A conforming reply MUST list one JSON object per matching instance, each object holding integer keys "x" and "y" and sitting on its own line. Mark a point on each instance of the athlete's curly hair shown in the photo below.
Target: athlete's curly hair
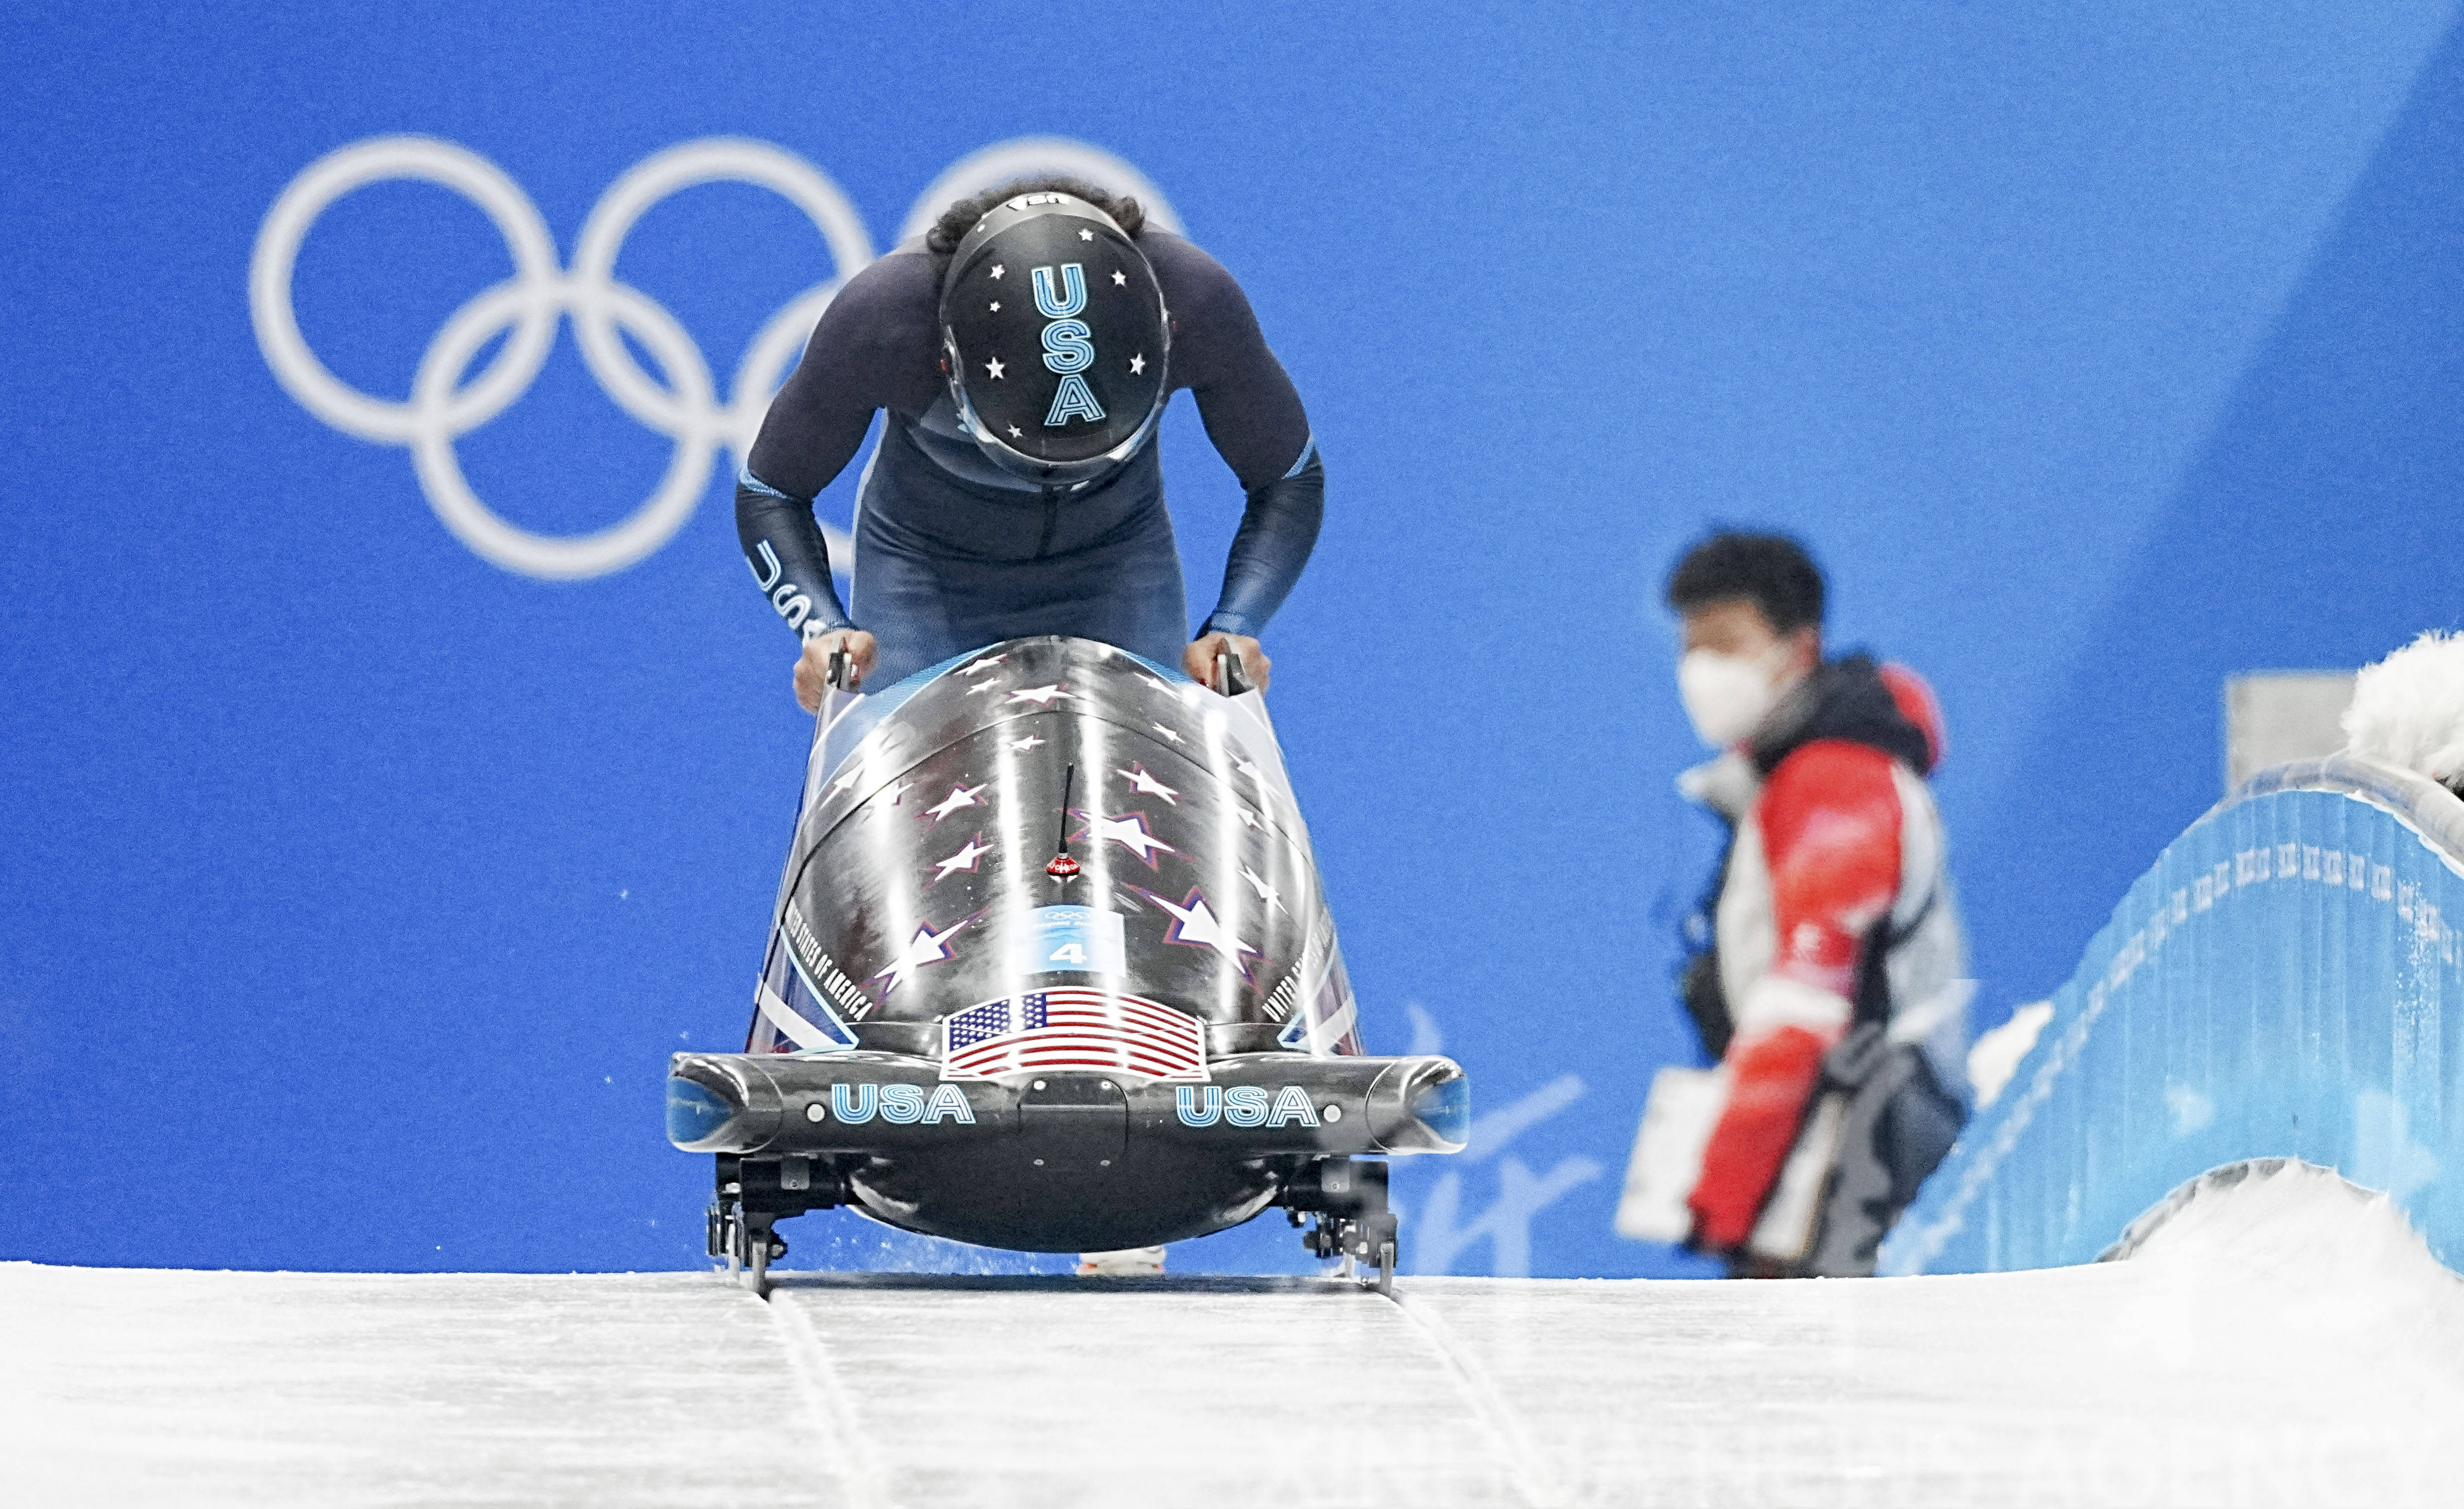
{"x": 961, "y": 217}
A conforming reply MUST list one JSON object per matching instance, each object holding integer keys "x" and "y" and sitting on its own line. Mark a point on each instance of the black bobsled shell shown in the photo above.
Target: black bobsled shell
{"x": 921, "y": 884}
{"x": 1052, "y": 971}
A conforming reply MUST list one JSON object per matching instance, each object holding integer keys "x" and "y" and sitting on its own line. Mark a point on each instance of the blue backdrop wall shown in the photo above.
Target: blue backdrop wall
{"x": 354, "y": 886}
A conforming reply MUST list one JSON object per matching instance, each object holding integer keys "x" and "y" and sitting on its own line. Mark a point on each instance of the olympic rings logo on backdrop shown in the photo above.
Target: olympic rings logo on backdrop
{"x": 448, "y": 402}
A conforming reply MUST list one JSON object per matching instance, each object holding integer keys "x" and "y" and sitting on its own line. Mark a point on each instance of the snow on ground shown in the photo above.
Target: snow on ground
{"x": 2280, "y": 1342}
{"x": 143, "y": 1386}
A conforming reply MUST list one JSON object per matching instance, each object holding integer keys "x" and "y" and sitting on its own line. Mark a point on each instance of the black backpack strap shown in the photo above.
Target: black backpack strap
{"x": 1873, "y": 1001}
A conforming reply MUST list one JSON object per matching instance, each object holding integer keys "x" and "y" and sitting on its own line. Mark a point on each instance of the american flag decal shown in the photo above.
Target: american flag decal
{"x": 1072, "y": 1027}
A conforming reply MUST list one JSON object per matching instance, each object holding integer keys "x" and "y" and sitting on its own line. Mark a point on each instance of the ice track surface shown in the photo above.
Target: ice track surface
{"x": 2284, "y": 1344}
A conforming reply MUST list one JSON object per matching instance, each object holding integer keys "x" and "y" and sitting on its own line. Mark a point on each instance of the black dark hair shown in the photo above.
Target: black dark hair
{"x": 1771, "y": 571}
{"x": 961, "y": 217}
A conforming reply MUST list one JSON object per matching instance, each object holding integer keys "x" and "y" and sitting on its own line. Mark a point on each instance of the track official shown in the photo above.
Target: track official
{"x": 1828, "y": 976}
{"x": 1024, "y": 349}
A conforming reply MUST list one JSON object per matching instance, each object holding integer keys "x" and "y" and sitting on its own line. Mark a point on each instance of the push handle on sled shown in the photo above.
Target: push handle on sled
{"x": 841, "y": 670}
{"x": 1231, "y": 676}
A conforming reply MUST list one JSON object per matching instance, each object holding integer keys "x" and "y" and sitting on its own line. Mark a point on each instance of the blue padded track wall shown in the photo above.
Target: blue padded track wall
{"x": 2288, "y": 981}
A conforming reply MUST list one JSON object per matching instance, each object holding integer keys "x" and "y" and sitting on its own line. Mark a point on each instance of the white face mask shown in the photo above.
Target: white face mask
{"x": 1728, "y": 696}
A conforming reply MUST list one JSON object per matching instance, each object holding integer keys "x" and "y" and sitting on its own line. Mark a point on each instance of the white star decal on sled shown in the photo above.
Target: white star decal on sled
{"x": 1040, "y": 696}
{"x": 1129, "y": 833}
{"x": 1248, "y": 767}
{"x": 1195, "y": 924}
{"x": 896, "y": 792}
{"x": 964, "y": 860}
{"x": 1248, "y": 818}
{"x": 983, "y": 686}
{"x": 926, "y": 947}
{"x": 1271, "y": 895}
{"x": 996, "y": 270}
{"x": 993, "y": 366}
{"x": 1120, "y": 280}
{"x": 1138, "y": 362}
{"x": 1085, "y": 235}
{"x": 1140, "y": 780}
{"x": 959, "y": 797}
{"x": 1165, "y": 732}
{"x": 847, "y": 784}
{"x": 986, "y": 664}
{"x": 1032, "y": 741}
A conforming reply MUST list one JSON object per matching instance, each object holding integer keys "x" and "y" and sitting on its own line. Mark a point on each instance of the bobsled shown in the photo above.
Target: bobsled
{"x": 1050, "y": 969}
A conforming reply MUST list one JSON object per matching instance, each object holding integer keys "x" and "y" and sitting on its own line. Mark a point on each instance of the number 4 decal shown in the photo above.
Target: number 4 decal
{"x": 1068, "y": 939}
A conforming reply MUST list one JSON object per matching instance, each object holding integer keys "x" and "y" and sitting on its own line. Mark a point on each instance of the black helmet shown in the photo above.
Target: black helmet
{"x": 1054, "y": 338}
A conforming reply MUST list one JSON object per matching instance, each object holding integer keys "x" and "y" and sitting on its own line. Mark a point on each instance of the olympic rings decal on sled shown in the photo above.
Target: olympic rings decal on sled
{"x": 447, "y": 403}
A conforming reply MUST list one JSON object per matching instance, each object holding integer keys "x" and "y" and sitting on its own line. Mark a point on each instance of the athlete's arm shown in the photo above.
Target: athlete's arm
{"x": 790, "y": 560}
{"x": 871, "y": 350}
{"x": 1277, "y": 530}
{"x": 1254, "y": 416}
{"x": 1830, "y": 820}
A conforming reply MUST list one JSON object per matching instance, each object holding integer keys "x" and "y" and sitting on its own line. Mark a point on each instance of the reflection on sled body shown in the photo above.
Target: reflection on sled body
{"x": 1052, "y": 971}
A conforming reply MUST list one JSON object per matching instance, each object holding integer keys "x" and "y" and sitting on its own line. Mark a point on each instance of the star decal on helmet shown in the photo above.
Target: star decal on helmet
{"x": 1138, "y": 362}
{"x": 1004, "y": 397}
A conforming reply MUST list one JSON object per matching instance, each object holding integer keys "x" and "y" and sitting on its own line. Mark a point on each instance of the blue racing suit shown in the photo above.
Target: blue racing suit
{"x": 950, "y": 552}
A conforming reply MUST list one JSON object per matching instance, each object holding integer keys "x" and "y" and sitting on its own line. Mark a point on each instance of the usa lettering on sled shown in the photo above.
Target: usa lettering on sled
{"x": 1050, "y": 969}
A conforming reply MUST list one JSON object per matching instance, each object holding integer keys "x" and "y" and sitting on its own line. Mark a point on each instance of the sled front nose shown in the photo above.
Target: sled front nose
{"x": 719, "y": 1103}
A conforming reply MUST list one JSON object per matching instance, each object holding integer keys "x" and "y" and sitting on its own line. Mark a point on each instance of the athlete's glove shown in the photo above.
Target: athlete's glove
{"x": 813, "y": 666}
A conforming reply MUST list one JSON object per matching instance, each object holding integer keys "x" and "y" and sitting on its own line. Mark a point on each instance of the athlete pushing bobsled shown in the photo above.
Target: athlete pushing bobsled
{"x": 1024, "y": 349}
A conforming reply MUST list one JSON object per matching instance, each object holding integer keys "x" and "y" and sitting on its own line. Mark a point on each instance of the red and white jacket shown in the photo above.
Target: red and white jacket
{"x": 1838, "y": 851}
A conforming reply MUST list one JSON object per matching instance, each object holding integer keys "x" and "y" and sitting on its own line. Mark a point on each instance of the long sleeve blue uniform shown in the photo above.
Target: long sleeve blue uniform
{"x": 951, "y": 553}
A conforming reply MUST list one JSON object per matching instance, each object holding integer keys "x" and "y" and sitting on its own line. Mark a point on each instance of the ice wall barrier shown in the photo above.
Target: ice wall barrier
{"x": 2287, "y": 981}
